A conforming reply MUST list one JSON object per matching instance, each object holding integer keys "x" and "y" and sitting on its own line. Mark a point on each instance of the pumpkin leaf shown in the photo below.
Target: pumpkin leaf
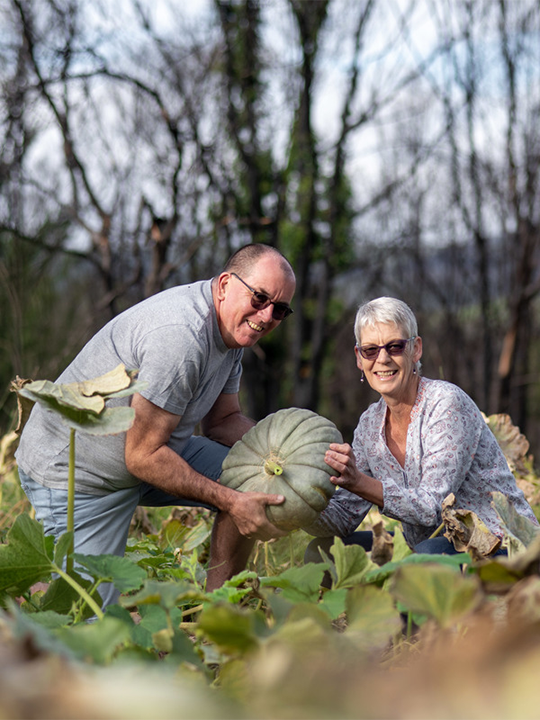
{"x": 401, "y": 549}
{"x": 60, "y": 596}
{"x": 372, "y": 617}
{"x": 298, "y": 584}
{"x": 96, "y": 641}
{"x": 121, "y": 572}
{"x": 379, "y": 575}
{"x": 36, "y": 635}
{"x": 235, "y": 589}
{"x": 512, "y": 442}
{"x": 519, "y": 531}
{"x": 304, "y": 636}
{"x": 436, "y": 590}
{"x": 166, "y": 594}
{"x": 498, "y": 574}
{"x": 26, "y": 558}
{"x": 233, "y": 630}
{"x": 333, "y": 602}
{"x": 350, "y": 566}
{"x": 81, "y": 405}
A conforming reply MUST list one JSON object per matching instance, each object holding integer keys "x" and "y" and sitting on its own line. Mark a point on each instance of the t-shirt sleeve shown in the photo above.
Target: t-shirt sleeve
{"x": 170, "y": 360}
{"x": 232, "y": 386}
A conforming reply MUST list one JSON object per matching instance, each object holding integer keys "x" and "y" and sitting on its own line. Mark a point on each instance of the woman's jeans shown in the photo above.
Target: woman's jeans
{"x": 101, "y": 522}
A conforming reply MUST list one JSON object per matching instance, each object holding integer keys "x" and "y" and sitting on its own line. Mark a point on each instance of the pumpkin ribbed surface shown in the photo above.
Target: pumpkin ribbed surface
{"x": 284, "y": 454}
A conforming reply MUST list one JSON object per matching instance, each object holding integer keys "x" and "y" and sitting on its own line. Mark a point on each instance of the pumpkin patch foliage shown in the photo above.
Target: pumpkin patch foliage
{"x": 390, "y": 635}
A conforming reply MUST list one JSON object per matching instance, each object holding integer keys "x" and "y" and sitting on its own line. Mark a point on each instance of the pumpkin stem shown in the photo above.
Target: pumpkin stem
{"x": 272, "y": 468}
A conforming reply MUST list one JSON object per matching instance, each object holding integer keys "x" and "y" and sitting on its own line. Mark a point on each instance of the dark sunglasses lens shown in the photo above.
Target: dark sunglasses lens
{"x": 280, "y": 312}
{"x": 396, "y": 348}
{"x": 369, "y": 352}
{"x": 259, "y": 301}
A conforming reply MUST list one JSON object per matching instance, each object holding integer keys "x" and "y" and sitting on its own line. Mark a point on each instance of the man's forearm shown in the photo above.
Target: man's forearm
{"x": 231, "y": 429}
{"x": 166, "y": 470}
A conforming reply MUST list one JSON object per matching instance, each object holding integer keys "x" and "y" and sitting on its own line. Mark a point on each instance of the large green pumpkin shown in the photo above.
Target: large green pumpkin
{"x": 284, "y": 455}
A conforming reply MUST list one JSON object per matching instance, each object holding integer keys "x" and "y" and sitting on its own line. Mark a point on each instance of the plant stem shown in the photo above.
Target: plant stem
{"x": 82, "y": 592}
{"x": 437, "y": 531}
{"x": 192, "y": 610}
{"x": 71, "y": 498}
{"x": 273, "y": 468}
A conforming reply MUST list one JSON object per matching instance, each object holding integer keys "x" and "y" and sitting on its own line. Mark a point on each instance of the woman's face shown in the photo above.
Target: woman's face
{"x": 390, "y": 375}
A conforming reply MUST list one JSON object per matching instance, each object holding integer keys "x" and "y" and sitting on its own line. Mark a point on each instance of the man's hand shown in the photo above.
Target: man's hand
{"x": 248, "y": 511}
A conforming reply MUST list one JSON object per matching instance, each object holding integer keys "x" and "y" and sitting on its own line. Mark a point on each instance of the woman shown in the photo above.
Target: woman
{"x": 423, "y": 440}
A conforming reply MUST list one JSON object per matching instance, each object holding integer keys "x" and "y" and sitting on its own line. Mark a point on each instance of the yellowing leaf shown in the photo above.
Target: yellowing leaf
{"x": 112, "y": 382}
{"x": 372, "y": 618}
{"x": 512, "y": 442}
{"x": 436, "y": 590}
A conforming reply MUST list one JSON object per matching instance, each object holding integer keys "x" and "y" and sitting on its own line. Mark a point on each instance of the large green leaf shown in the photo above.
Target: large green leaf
{"x": 26, "y": 558}
{"x": 35, "y": 634}
{"x": 233, "y": 630}
{"x": 401, "y": 549}
{"x": 379, "y": 574}
{"x": 96, "y": 642}
{"x": 120, "y": 571}
{"x": 166, "y": 594}
{"x": 298, "y": 584}
{"x": 350, "y": 564}
{"x": 61, "y": 596}
{"x": 436, "y": 590}
{"x": 333, "y": 602}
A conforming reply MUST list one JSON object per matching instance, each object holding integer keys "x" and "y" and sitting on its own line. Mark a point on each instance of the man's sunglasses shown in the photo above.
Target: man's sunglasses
{"x": 260, "y": 301}
{"x": 393, "y": 348}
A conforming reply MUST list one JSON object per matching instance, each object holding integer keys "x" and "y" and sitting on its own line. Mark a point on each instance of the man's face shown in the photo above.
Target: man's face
{"x": 241, "y": 325}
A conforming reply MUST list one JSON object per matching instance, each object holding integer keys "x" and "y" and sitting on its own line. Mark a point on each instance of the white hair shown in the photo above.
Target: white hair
{"x": 386, "y": 310}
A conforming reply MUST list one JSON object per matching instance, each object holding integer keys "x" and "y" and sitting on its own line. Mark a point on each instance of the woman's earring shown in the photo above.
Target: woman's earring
{"x": 414, "y": 371}
{"x": 362, "y": 376}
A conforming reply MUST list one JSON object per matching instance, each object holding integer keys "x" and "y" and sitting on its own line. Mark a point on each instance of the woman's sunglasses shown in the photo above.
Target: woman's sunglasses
{"x": 393, "y": 348}
{"x": 260, "y": 301}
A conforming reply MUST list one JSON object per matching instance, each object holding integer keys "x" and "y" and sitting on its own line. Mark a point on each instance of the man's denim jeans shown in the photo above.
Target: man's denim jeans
{"x": 101, "y": 523}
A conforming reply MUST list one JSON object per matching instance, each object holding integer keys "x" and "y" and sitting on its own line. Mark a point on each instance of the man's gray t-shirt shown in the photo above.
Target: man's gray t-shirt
{"x": 173, "y": 339}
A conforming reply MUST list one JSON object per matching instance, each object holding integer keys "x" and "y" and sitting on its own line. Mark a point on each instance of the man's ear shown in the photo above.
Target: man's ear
{"x": 221, "y": 285}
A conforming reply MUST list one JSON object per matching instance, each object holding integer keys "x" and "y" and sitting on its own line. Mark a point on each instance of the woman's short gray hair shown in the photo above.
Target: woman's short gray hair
{"x": 386, "y": 310}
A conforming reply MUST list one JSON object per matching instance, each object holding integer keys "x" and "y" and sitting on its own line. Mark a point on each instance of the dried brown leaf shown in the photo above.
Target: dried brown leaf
{"x": 466, "y": 531}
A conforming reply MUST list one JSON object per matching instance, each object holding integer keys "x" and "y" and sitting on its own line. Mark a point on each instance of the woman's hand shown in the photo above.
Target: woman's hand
{"x": 340, "y": 457}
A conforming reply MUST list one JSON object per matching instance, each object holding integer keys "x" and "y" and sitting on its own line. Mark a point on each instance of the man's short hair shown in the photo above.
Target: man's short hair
{"x": 243, "y": 260}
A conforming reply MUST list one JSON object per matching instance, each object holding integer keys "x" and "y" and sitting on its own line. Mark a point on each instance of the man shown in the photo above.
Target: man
{"x": 187, "y": 343}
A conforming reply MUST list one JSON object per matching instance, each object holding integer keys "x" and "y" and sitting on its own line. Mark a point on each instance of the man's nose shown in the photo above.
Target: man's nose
{"x": 266, "y": 313}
